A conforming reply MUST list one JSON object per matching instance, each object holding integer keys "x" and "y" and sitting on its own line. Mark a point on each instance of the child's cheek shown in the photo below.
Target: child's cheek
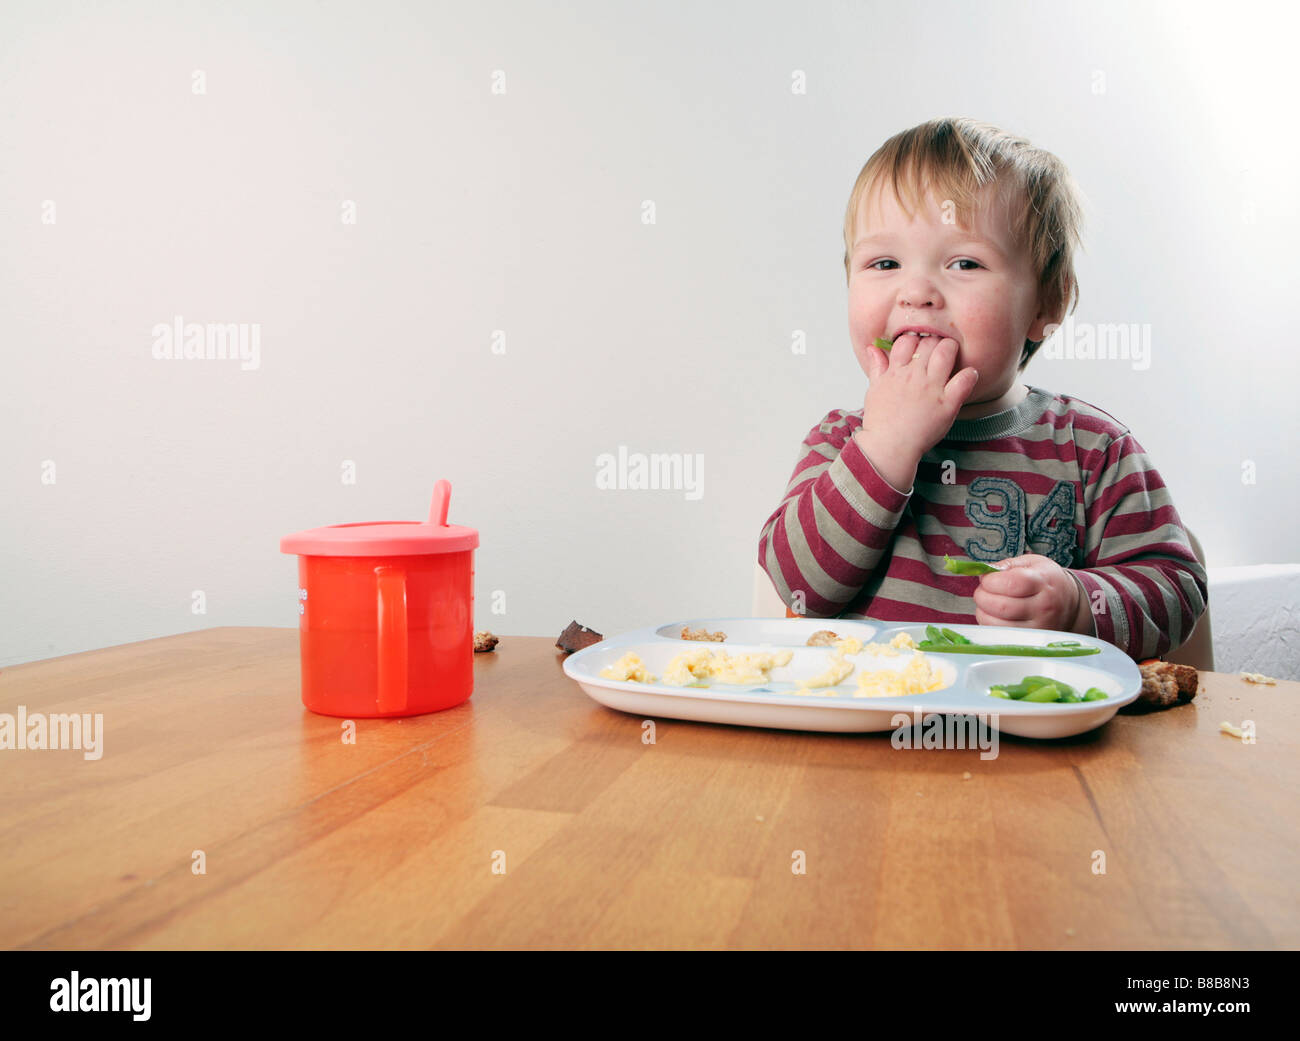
{"x": 862, "y": 323}
{"x": 860, "y": 336}
{"x": 986, "y": 329}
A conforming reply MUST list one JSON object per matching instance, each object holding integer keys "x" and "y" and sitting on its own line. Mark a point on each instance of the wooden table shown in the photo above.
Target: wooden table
{"x": 532, "y": 817}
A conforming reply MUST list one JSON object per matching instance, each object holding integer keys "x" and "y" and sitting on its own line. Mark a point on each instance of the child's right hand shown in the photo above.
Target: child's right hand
{"x": 911, "y": 402}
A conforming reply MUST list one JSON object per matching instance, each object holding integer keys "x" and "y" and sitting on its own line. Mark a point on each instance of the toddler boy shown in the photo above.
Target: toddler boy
{"x": 959, "y": 243}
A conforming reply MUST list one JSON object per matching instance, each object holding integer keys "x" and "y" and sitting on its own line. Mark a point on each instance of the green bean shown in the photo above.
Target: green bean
{"x": 1064, "y": 643}
{"x": 1043, "y": 690}
{"x": 884, "y": 345}
{"x": 954, "y": 637}
{"x": 967, "y": 567}
{"x": 1005, "y": 648}
{"x": 933, "y": 635}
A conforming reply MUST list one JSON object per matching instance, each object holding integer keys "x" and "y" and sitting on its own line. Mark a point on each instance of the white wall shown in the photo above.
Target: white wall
{"x": 480, "y": 211}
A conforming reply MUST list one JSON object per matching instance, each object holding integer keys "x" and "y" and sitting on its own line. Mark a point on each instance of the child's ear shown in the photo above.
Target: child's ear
{"x": 1050, "y": 312}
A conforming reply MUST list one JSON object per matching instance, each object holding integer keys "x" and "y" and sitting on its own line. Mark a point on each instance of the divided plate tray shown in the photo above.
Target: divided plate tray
{"x": 774, "y": 703}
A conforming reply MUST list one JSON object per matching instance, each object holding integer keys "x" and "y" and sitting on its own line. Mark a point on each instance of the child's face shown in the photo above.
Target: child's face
{"x": 974, "y": 284}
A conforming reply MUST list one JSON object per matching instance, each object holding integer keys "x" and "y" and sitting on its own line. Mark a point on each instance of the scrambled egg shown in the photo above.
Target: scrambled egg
{"x": 836, "y": 671}
{"x": 902, "y": 642}
{"x": 627, "y": 669}
{"x": 919, "y": 677}
{"x": 839, "y": 666}
{"x": 704, "y": 664}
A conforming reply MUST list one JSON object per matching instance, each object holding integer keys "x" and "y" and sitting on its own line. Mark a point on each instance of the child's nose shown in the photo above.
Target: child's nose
{"x": 919, "y": 294}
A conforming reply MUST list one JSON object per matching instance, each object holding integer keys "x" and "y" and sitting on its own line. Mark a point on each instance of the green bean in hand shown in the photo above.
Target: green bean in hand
{"x": 967, "y": 567}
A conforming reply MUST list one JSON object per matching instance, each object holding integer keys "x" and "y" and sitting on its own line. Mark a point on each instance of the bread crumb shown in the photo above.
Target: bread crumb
{"x": 1165, "y": 684}
{"x": 1255, "y": 677}
{"x": 484, "y": 641}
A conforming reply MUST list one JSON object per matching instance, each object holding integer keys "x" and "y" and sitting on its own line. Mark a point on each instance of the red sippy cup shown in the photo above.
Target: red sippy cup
{"x": 386, "y": 614}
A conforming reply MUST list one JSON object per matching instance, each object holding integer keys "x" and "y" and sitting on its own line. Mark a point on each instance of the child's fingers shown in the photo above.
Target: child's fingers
{"x": 1014, "y": 581}
{"x": 1010, "y": 609}
{"x": 961, "y": 386}
{"x": 877, "y": 361}
{"x": 903, "y": 349}
{"x": 940, "y": 358}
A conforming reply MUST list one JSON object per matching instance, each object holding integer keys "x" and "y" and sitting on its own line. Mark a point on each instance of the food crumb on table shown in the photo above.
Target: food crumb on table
{"x": 575, "y": 637}
{"x": 1228, "y": 728}
{"x": 484, "y": 641}
{"x": 1166, "y": 683}
{"x": 1255, "y": 677}
{"x": 965, "y": 775}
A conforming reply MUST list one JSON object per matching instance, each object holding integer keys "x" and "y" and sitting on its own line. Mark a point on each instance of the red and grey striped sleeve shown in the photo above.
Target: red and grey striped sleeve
{"x": 834, "y": 525}
{"x": 1053, "y": 476}
{"x": 1139, "y": 570}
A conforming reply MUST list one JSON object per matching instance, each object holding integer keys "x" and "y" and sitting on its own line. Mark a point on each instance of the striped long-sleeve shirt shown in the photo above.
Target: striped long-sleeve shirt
{"x": 1053, "y": 476}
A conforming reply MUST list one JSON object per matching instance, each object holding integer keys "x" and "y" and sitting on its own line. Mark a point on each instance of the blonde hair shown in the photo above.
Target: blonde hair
{"x": 953, "y": 159}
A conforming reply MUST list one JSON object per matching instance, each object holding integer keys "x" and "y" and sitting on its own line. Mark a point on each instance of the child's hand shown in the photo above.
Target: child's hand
{"x": 911, "y": 403}
{"x": 1033, "y": 592}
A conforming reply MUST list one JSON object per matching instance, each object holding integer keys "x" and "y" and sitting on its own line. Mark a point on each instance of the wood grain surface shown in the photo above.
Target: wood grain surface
{"x": 532, "y": 817}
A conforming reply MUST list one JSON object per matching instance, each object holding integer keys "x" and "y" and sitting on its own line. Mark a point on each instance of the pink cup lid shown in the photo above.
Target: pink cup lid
{"x": 386, "y": 538}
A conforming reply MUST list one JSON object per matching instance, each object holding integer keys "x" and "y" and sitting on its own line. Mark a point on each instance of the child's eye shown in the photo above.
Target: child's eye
{"x": 965, "y": 260}
{"x": 875, "y": 264}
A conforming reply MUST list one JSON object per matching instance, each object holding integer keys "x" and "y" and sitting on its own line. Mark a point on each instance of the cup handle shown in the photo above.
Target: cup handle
{"x": 392, "y": 639}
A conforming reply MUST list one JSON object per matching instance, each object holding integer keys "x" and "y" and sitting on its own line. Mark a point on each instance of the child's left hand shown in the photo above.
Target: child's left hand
{"x": 1033, "y": 592}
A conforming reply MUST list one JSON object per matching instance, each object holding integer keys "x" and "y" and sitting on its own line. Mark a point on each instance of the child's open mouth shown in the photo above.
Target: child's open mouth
{"x": 922, "y": 332}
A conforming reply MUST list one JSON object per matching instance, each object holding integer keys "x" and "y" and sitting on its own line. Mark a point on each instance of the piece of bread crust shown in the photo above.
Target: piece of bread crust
{"x": 1164, "y": 684}
{"x": 575, "y": 637}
